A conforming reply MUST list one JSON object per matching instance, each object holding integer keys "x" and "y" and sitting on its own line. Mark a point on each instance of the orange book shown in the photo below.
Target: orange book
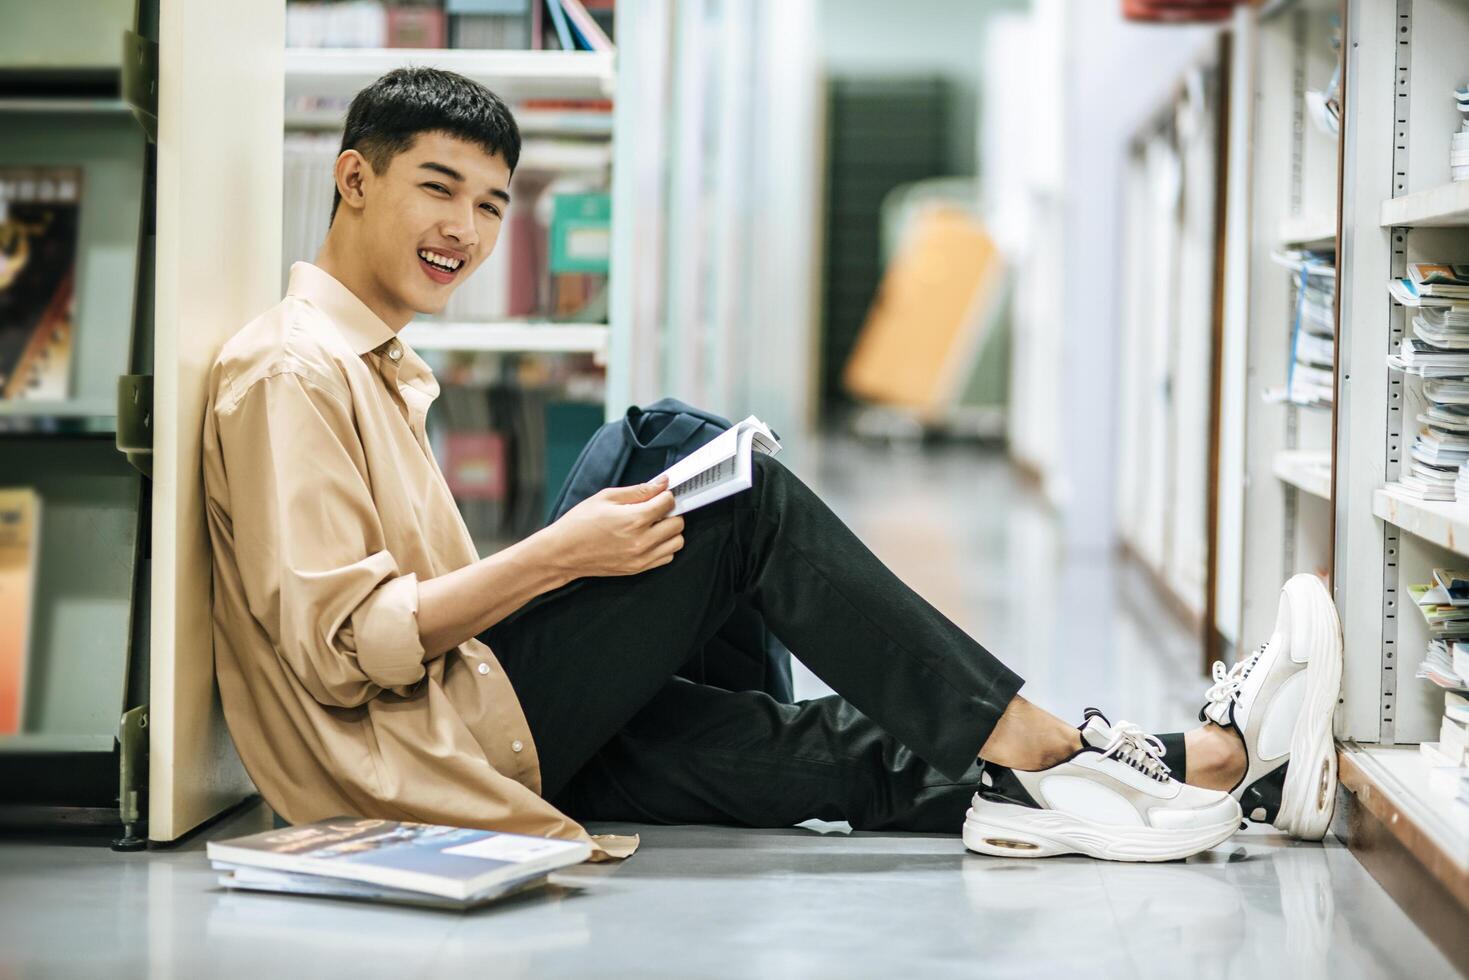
{"x": 20, "y": 533}
{"x": 929, "y": 317}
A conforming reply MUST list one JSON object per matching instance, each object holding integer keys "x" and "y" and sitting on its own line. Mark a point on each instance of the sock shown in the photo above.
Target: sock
{"x": 1174, "y": 754}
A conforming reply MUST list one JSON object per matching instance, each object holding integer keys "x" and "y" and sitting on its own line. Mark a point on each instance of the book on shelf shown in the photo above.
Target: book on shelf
{"x": 39, "y": 225}
{"x": 1453, "y": 736}
{"x": 585, "y": 29}
{"x": 1459, "y": 142}
{"x": 720, "y": 467}
{"x": 1310, "y": 377}
{"x": 20, "y": 538}
{"x": 475, "y": 465}
{"x": 1456, "y": 706}
{"x": 414, "y": 27}
{"x": 1417, "y": 356}
{"x": 491, "y": 24}
{"x": 392, "y": 860}
{"x": 1432, "y": 284}
{"x": 1450, "y": 588}
{"x": 1437, "y": 667}
{"x": 1446, "y": 328}
{"x": 1421, "y": 481}
{"x": 1446, "y": 770}
{"x": 1444, "y": 620}
{"x": 1439, "y": 755}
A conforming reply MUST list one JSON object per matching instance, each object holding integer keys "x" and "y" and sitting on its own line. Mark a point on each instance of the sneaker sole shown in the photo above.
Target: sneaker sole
{"x": 1011, "y": 830}
{"x": 1308, "y": 798}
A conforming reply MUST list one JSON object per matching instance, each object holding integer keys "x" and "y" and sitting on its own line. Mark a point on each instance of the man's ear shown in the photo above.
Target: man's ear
{"x": 352, "y": 174}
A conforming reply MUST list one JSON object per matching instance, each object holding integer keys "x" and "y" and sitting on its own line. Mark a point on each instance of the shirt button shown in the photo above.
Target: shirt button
{"x": 517, "y": 745}
{"x": 483, "y": 668}
{"x": 395, "y": 352}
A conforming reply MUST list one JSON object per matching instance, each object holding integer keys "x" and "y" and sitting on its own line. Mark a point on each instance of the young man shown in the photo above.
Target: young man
{"x": 370, "y": 662}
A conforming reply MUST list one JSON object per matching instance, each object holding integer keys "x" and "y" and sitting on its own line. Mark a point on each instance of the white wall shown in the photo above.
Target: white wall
{"x": 1114, "y": 75}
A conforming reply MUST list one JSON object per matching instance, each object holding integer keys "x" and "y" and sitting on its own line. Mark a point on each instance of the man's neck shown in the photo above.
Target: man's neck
{"x": 337, "y": 260}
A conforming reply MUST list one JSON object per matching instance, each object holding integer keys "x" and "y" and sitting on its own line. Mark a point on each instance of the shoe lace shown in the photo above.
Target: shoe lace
{"x": 1132, "y": 746}
{"x": 1227, "y": 683}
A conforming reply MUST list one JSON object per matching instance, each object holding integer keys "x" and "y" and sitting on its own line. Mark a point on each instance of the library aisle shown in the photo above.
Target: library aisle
{"x": 811, "y": 901}
{"x": 338, "y": 339}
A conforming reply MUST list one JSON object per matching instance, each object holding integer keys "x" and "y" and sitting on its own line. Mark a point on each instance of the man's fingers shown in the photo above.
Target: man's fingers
{"x": 668, "y": 527}
{"x": 658, "y": 507}
{"x": 638, "y": 492}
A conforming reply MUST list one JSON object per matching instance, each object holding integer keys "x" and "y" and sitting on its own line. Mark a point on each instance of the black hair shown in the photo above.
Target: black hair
{"x": 387, "y": 116}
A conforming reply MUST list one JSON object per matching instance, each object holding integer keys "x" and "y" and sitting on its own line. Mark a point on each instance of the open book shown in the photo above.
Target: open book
{"x": 720, "y": 467}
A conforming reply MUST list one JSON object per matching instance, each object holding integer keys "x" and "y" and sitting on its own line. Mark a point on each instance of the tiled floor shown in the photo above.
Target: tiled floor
{"x": 711, "y": 902}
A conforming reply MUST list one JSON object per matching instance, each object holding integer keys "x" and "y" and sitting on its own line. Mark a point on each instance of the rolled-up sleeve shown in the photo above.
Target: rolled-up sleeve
{"x": 309, "y": 542}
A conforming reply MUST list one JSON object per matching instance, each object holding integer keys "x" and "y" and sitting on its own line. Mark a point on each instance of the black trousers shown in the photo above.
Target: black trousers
{"x": 621, "y": 738}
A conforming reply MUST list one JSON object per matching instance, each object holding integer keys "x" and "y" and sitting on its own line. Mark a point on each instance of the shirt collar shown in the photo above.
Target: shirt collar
{"x": 364, "y": 329}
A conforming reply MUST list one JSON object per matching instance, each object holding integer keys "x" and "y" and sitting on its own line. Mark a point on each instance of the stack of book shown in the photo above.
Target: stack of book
{"x": 1311, "y": 376}
{"x": 1445, "y": 606}
{"x": 1437, "y": 346}
{"x": 391, "y": 861}
{"x": 1433, "y": 469}
{"x": 572, "y": 25}
{"x": 1459, "y": 145}
{"x": 1448, "y": 758}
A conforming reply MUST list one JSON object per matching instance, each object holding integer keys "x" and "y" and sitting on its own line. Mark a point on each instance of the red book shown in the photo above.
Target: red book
{"x": 416, "y": 27}
{"x": 475, "y": 467}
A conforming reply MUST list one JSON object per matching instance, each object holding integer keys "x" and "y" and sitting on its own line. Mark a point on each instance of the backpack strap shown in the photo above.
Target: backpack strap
{"x": 672, "y": 435}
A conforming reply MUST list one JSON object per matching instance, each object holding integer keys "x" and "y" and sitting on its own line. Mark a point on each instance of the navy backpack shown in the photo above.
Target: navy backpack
{"x": 744, "y": 655}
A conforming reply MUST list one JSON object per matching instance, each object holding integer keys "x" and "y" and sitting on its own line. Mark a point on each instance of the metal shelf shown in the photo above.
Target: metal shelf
{"x": 1308, "y": 470}
{"x": 1441, "y": 522}
{"x": 68, "y": 408}
{"x": 1313, "y": 231}
{"x": 510, "y": 336}
{"x": 513, "y": 75}
{"x": 39, "y": 742}
{"x": 1430, "y": 823}
{"x": 63, "y": 104}
{"x": 1446, "y": 206}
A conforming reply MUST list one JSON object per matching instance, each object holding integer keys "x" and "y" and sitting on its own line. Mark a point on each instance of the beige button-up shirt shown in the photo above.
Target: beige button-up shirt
{"x": 326, "y": 508}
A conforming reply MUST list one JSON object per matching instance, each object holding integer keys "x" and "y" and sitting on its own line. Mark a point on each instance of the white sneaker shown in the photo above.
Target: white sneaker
{"x": 1280, "y": 700}
{"x": 1113, "y": 799}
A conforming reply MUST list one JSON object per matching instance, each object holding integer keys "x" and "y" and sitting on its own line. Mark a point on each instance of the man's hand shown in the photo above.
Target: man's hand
{"x": 617, "y": 531}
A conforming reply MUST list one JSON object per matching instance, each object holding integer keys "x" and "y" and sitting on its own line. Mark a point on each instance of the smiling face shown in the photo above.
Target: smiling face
{"x": 423, "y": 225}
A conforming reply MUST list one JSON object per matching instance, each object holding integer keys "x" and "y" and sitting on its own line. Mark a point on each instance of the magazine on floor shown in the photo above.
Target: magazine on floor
{"x": 428, "y": 860}
{"x": 283, "y": 882}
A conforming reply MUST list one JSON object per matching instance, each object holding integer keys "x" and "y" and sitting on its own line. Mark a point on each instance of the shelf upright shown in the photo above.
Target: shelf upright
{"x": 220, "y": 108}
{"x": 1289, "y": 202}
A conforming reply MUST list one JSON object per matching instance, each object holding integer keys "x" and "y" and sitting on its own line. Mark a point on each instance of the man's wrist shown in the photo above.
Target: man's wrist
{"x": 545, "y": 559}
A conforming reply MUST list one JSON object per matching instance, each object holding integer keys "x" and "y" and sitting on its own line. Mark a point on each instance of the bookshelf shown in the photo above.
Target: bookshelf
{"x": 60, "y": 105}
{"x": 545, "y": 336}
{"x": 1308, "y": 470}
{"x": 1446, "y": 206}
{"x": 513, "y": 75}
{"x": 1403, "y": 61}
{"x": 1308, "y": 479}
